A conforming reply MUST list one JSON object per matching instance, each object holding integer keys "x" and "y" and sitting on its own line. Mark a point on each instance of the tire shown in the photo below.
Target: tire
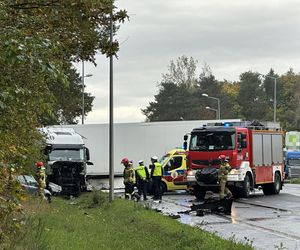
{"x": 244, "y": 192}
{"x": 199, "y": 192}
{"x": 273, "y": 188}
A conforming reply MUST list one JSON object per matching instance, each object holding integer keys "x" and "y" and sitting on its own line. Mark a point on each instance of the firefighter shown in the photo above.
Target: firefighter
{"x": 156, "y": 175}
{"x": 129, "y": 179}
{"x": 142, "y": 177}
{"x": 41, "y": 177}
{"x": 222, "y": 176}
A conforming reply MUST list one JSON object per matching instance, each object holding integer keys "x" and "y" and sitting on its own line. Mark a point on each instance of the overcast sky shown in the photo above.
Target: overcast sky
{"x": 231, "y": 36}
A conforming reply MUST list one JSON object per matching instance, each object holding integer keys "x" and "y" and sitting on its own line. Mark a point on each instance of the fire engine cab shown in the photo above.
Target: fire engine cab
{"x": 253, "y": 150}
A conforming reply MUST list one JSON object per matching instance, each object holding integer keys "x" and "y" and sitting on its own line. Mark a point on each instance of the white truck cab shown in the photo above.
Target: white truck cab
{"x": 67, "y": 159}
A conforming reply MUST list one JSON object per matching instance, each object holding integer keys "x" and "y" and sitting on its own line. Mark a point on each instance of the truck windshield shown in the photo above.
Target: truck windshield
{"x": 294, "y": 162}
{"x": 212, "y": 141}
{"x": 59, "y": 154}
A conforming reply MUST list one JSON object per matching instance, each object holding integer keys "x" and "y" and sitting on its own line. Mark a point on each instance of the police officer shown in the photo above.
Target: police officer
{"x": 222, "y": 176}
{"x": 142, "y": 177}
{"x": 41, "y": 177}
{"x": 129, "y": 179}
{"x": 156, "y": 175}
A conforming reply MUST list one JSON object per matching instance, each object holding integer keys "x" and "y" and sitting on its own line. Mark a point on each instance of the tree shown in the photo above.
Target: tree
{"x": 182, "y": 72}
{"x": 206, "y": 84}
{"x": 229, "y": 94}
{"x": 251, "y": 97}
{"x": 180, "y": 94}
{"x": 38, "y": 42}
{"x": 289, "y": 106}
{"x": 171, "y": 104}
{"x": 67, "y": 101}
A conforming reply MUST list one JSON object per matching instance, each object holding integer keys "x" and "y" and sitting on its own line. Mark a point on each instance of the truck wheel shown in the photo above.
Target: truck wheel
{"x": 273, "y": 188}
{"x": 199, "y": 192}
{"x": 244, "y": 192}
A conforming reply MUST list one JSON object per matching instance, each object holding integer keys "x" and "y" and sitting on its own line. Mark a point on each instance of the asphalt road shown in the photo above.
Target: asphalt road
{"x": 265, "y": 222}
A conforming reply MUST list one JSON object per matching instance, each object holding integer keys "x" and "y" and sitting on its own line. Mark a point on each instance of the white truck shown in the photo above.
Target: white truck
{"x": 136, "y": 141}
{"x": 67, "y": 159}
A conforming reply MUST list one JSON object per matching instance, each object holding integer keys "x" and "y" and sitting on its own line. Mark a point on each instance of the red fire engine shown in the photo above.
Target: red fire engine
{"x": 253, "y": 150}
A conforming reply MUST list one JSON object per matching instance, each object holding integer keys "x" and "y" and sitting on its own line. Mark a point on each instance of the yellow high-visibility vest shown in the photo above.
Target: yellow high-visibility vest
{"x": 141, "y": 172}
{"x": 157, "y": 169}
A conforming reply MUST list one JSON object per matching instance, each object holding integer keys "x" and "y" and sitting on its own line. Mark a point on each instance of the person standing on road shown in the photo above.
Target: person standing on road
{"x": 142, "y": 177}
{"x": 41, "y": 177}
{"x": 156, "y": 175}
{"x": 129, "y": 179}
{"x": 222, "y": 176}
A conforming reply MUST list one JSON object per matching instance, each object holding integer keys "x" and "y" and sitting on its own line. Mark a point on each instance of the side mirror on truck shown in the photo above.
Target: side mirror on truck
{"x": 87, "y": 154}
{"x": 185, "y": 137}
{"x": 244, "y": 144}
{"x": 47, "y": 149}
{"x": 185, "y": 145}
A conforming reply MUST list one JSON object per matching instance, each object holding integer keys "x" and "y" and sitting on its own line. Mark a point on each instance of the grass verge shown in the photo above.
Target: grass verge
{"x": 90, "y": 222}
{"x": 295, "y": 181}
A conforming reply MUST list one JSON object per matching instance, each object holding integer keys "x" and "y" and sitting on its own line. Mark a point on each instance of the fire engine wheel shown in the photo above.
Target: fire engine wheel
{"x": 244, "y": 192}
{"x": 199, "y": 192}
{"x": 273, "y": 188}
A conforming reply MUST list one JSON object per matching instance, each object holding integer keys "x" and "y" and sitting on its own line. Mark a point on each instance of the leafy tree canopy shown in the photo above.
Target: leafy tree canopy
{"x": 250, "y": 98}
{"x": 39, "y": 41}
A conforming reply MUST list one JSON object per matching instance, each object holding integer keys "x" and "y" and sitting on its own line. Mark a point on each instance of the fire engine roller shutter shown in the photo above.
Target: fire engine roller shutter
{"x": 277, "y": 148}
{"x": 267, "y": 149}
{"x": 257, "y": 149}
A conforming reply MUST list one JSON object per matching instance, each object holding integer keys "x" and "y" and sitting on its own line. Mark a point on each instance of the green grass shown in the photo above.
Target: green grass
{"x": 295, "y": 181}
{"x": 90, "y": 222}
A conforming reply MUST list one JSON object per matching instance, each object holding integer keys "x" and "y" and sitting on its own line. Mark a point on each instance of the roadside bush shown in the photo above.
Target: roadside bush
{"x": 11, "y": 195}
{"x": 295, "y": 181}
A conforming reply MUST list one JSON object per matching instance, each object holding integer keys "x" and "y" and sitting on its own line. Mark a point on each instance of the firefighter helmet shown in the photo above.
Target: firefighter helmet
{"x": 222, "y": 157}
{"x": 39, "y": 164}
{"x": 125, "y": 161}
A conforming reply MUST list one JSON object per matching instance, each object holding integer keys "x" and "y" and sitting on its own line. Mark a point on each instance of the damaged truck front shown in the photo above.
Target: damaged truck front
{"x": 67, "y": 159}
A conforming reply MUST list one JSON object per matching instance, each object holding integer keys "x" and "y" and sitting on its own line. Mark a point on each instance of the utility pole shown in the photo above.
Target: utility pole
{"x": 82, "y": 81}
{"x": 275, "y": 96}
{"x": 111, "y": 117}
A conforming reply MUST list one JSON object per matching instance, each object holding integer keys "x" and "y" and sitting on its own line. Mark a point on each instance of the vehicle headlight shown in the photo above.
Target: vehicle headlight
{"x": 234, "y": 171}
{"x": 190, "y": 173}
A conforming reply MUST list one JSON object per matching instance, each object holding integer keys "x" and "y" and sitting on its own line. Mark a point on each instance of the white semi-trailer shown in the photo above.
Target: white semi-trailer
{"x": 136, "y": 141}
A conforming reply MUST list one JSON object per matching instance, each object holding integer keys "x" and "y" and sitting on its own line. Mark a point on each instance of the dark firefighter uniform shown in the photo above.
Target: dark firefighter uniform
{"x": 142, "y": 177}
{"x": 222, "y": 176}
{"x": 156, "y": 175}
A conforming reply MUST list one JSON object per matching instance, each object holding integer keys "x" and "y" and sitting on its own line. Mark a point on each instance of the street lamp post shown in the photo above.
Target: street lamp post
{"x": 275, "y": 96}
{"x": 82, "y": 81}
{"x": 218, "y": 111}
{"x": 209, "y": 108}
{"x": 111, "y": 116}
